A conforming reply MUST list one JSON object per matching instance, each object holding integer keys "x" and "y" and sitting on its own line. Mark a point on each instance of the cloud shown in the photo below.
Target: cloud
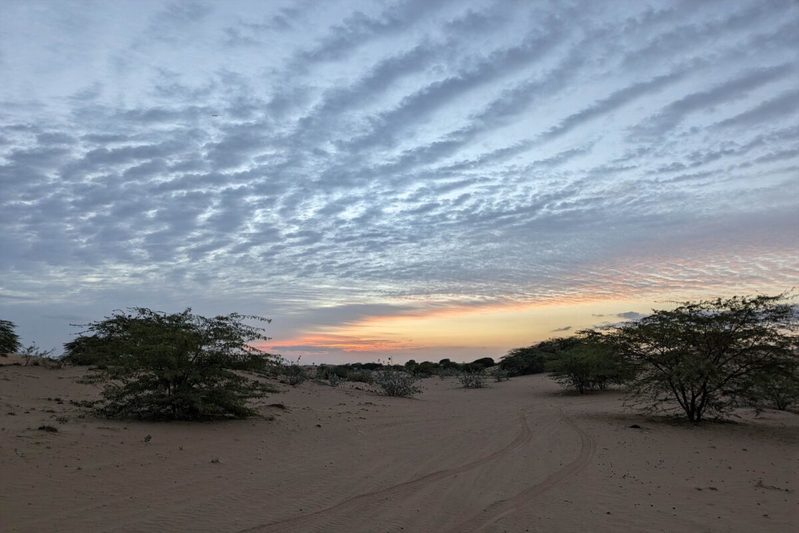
{"x": 630, "y": 315}
{"x": 735, "y": 89}
{"x": 564, "y": 328}
{"x": 366, "y": 159}
{"x": 779, "y": 107}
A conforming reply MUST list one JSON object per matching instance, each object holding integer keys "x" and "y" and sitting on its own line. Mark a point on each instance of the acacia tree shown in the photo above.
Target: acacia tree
{"x": 9, "y": 341}
{"x": 706, "y": 356}
{"x": 179, "y": 366}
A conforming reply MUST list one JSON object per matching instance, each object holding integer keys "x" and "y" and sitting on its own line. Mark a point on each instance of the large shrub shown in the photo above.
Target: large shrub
{"x": 9, "y": 340}
{"x": 176, "y": 366}
{"x": 711, "y": 355}
{"x": 538, "y": 357}
{"x": 776, "y": 388}
{"x": 588, "y": 366}
{"x": 523, "y": 361}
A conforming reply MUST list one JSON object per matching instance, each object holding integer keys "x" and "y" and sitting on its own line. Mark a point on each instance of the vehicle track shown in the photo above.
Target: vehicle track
{"x": 350, "y": 505}
{"x": 520, "y": 501}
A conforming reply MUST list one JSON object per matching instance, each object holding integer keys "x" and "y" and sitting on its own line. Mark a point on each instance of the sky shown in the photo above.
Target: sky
{"x": 412, "y": 179}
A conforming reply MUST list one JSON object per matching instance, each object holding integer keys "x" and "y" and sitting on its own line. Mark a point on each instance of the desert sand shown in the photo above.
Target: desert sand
{"x": 517, "y": 456}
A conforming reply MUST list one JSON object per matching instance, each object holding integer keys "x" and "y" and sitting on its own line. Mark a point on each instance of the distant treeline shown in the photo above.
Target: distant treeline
{"x": 423, "y": 370}
{"x": 541, "y": 357}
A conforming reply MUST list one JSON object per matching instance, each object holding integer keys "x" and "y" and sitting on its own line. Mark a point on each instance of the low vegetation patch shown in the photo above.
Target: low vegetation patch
{"x": 293, "y": 373}
{"x": 394, "y": 382}
{"x": 475, "y": 379}
{"x": 499, "y": 374}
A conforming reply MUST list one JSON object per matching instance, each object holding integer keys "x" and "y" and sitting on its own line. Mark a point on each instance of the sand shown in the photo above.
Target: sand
{"x": 517, "y": 456}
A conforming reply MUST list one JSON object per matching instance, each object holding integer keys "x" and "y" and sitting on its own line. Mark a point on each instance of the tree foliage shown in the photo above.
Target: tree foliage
{"x": 176, "y": 366}
{"x": 479, "y": 364}
{"x": 538, "y": 357}
{"x": 708, "y": 356}
{"x": 589, "y": 364}
{"x": 523, "y": 361}
{"x": 9, "y": 340}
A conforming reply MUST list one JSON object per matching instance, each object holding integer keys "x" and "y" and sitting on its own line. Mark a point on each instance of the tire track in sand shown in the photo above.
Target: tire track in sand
{"x": 504, "y": 507}
{"x": 350, "y": 505}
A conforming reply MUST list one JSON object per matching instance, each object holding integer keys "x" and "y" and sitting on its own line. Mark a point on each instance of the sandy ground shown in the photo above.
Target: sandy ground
{"x": 518, "y": 456}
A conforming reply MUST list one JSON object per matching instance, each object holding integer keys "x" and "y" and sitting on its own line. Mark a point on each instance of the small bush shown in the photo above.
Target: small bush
{"x": 294, "y": 374}
{"x": 334, "y": 380}
{"x": 361, "y": 376}
{"x": 473, "y": 380}
{"x": 500, "y": 374}
{"x": 775, "y": 388}
{"x": 394, "y": 382}
{"x": 34, "y": 355}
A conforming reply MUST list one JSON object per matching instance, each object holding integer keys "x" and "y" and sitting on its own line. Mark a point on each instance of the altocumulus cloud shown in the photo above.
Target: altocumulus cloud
{"x": 301, "y": 159}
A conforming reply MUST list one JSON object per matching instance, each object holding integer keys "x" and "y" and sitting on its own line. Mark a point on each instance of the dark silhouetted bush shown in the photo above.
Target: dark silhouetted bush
{"x": 9, "y": 340}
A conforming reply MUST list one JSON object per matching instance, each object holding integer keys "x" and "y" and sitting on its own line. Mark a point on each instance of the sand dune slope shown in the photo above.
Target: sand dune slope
{"x": 518, "y": 456}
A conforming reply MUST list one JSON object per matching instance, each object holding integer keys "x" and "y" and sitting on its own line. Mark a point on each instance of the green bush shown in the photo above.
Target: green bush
{"x": 361, "y": 376}
{"x": 87, "y": 350}
{"x": 9, "y": 340}
{"x": 500, "y": 374}
{"x": 293, "y": 373}
{"x": 709, "y": 356}
{"x": 473, "y": 379}
{"x": 776, "y": 387}
{"x": 176, "y": 366}
{"x": 395, "y": 382}
{"x": 478, "y": 364}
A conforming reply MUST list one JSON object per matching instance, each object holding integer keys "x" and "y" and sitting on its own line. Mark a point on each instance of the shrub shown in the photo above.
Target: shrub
{"x": 9, "y": 340}
{"x": 361, "y": 376}
{"x": 523, "y": 361}
{"x": 479, "y": 364}
{"x": 87, "y": 350}
{"x": 475, "y": 379}
{"x": 426, "y": 369}
{"x": 293, "y": 373}
{"x": 590, "y": 364}
{"x": 538, "y": 357}
{"x": 775, "y": 388}
{"x": 394, "y": 382}
{"x": 176, "y": 366}
{"x": 708, "y": 356}
{"x": 334, "y": 380}
{"x": 500, "y": 374}
{"x": 35, "y": 354}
